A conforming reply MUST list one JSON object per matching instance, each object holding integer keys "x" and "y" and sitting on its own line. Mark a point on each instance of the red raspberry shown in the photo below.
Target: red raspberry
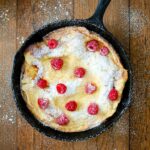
{"x": 42, "y": 83}
{"x": 113, "y": 94}
{"x": 92, "y": 45}
{"x": 43, "y": 103}
{"x": 71, "y": 106}
{"x": 93, "y": 109}
{"x": 57, "y": 63}
{"x": 79, "y": 72}
{"x": 62, "y": 120}
{"x": 104, "y": 51}
{"x": 52, "y": 43}
{"x": 90, "y": 88}
{"x": 61, "y": 88}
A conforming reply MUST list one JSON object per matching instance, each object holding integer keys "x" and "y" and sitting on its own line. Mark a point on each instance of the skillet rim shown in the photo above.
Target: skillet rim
{"x": 62, "y": 135}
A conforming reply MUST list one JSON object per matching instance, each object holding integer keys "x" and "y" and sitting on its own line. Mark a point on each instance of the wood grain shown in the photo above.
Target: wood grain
{"x": 132, "y": 131}
{"x": 82, "y": 10}
{"x": 7, "y": 50}
{"x": 24, "y": 29}
{"x": 118, "y": 136}
{"x": 140, "y": 58}
{"x": 113, "y": 20}
{"x": 40, "y": 17}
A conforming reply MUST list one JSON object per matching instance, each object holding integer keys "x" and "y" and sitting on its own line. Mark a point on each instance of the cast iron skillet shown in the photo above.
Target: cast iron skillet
{"x": 94, "y": 23}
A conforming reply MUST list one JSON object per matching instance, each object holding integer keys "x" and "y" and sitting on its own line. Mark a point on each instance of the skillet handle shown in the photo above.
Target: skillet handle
{"x": 97, "y": 17}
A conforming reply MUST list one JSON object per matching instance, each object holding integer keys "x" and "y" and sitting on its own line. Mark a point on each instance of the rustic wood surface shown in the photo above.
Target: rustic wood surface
{"x": 128, "y": 20}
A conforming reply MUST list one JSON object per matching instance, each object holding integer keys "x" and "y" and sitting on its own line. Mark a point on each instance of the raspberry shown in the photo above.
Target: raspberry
{"x": 90, "y": 88}
{"x": 92, "y": 45}
{"x": 79, "y": 72}
{"x": 61, "y": 88}
{"x": 71, "y": 106}
{"x": 104, "y": 51}
{"x": 42, "y": 83}
{"x": 113, "y": 94}
{"x": 43, "y": 103}
{"x": 57, "y": 63}
{"x": 93, "y": 109}
{"x": 52, "y": 43}
{"x": 62, "y": 120}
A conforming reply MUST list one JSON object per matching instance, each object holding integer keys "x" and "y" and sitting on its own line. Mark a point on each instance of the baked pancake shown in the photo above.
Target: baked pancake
{"x": 72, "y": 80}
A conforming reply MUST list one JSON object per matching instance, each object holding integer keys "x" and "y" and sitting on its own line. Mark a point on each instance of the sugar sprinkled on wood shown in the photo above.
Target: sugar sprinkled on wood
{"x": 137, "y": 19}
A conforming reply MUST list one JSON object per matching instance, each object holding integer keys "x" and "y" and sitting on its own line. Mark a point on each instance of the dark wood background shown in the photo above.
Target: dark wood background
{"x": 128, "y": 20}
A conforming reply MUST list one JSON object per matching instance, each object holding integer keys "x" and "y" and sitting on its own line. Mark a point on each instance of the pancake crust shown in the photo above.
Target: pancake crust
{"x": 105, "y": 71}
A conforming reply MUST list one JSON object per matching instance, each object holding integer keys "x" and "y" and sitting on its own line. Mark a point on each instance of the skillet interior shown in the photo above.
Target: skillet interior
{"x": 19, "y": 59}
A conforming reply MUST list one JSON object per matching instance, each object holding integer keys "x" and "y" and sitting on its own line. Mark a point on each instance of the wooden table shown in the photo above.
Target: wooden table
{"x": 128, "y": 20}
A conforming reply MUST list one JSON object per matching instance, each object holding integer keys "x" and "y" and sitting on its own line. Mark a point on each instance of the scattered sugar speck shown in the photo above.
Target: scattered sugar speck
{"x": 8, "y": 118}
{"x": 20, "y": 40}
{"x": 137, "y": 19}
{"x": 4, "y": 17}
{"x": 47, "y": 14}
{"x": 67, "y": 13}
{"x": 6, "y": 14}
{"x": 121, "y": 127}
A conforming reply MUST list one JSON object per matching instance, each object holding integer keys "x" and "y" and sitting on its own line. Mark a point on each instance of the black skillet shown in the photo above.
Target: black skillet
{"x": 94, "y": 23}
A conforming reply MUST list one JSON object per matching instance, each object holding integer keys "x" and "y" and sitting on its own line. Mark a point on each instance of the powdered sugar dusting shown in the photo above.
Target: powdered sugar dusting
{"x": 45, "y": 51}
{"x": 101, "y": 66}
{"x": 54, "y": 112}
{"x": 8, "y": 118}
{"x": 139, "y": 101}
{"x": 137, "y": 20}
{"x": 20, "y": 40}
{"x": 8, "y": 115}
{"x": 4, "y": 17}
{"x": 7, "y": 106}
{"x": 40, "y": 70}
{"x": 121, "y": 127}
{"x": 50, "y": 13}
{"x": 41, "y": 51}
{"x": 71, "y": 88}
{"x": 136, "y": 30}
{"x": 6, "y": 14}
